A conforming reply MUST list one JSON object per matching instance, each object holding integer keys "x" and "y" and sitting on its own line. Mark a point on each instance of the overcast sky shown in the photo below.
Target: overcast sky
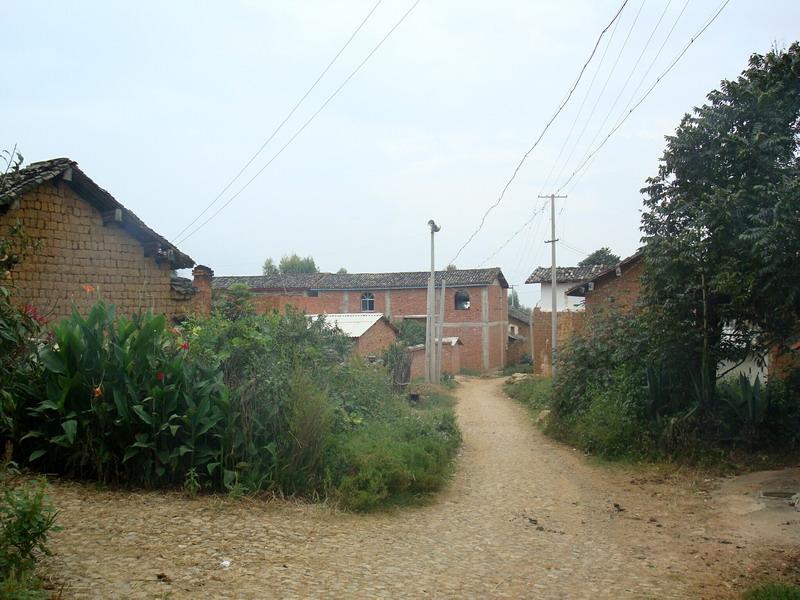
{"x": 162, "y": 103}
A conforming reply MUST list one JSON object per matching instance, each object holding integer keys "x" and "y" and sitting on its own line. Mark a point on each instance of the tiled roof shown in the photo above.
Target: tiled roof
{"x": 38, "y": 173}
{"x": 182, "y": 286}
{"x": 566, "y": 274}
{"x": 363, "y": 281}
{"x": 413, "y": 279}
{"x": 579, "y": 289}
{"x": 300, "y": 281}
{"x": 519, "y": 314}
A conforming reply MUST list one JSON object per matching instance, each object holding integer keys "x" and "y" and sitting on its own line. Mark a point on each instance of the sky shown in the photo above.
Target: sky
{"x": 162, "y": 104}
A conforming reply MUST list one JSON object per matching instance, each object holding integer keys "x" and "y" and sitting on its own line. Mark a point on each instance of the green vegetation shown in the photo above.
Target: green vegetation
{"x": 291, "y": 265}
{"x": 773, "y": 591}
{"x": 721, "y": 241}
{"x": 534, "y": 392}
{"x": 410, "y": 332}
{"x": 26, "y": 520}
{"x": 602, "y": 256}
{"x": 234, "y": 401}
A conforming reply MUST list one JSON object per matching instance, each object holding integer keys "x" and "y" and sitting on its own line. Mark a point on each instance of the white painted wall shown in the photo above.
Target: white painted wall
{"x": 563, "y": 302}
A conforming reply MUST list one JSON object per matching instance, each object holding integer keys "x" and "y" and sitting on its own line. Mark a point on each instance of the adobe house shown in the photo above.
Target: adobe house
{"x": 371, "y": 333}
{"x": 570, "y": 310}
{"x": 89, "y": 246}
{"x": 476, "y": 305}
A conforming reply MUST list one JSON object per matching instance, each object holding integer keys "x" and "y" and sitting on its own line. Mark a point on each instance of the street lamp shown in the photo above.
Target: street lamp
{"x": 430, "y": 336}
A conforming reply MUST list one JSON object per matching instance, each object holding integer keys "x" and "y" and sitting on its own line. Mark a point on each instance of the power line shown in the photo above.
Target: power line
{"x": 285, "y": 119}
{"x": 536, "y": 213}
{"x": 580, "y": 109}
{"x": 628, "y": 78}
{"x": 307, "y": 123}
{"x": 602, "y": 91}
{"x": 541, "y": 135}
{"x": 669, "y": 68}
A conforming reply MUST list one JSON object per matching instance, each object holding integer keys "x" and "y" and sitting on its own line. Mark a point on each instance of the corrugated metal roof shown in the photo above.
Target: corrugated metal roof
{"x": 566, "y": 274}
{"x": 353, "y": 325}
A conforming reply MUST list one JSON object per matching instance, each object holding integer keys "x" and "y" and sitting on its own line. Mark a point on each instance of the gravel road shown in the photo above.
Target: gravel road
{"x": 524, "y": 517}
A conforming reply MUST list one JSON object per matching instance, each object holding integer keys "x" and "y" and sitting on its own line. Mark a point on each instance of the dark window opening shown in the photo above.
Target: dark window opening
{"x": 367, "y": 302}
{"x": 462, "y": 301}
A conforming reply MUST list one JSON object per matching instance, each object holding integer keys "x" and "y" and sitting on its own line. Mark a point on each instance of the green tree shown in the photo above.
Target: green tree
{"x": 269, "y": 268}
{"x": 513, "y": 299}
{"x": 721, "y": 221}
{"x": 290, "y": 265}
{"x": 342, "y": 271}
{"x": 602, "y": 256}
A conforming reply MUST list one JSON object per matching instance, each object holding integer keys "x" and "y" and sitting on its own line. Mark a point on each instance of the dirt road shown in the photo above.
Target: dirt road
{"x": 524, "y": 517}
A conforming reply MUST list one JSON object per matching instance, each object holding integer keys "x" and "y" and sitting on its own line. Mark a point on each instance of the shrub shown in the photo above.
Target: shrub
{"x": 26, "y": 520}
{"x": 535, "y": 392}
{"x": 123, "y": 403}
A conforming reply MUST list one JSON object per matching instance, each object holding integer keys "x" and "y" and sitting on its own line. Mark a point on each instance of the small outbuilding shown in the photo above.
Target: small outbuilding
{"x": 372, "y": 333}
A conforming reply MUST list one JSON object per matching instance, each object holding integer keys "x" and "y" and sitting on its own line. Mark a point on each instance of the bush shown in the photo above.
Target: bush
{"x": 123, "y": 403}
{"x": 26, "y": 520}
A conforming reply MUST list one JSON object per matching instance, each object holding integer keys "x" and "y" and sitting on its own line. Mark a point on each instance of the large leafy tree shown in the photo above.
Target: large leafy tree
{"x": 601, "y": 256}
{"x": 721, "y": 224}
{"x": 289, "y": 265}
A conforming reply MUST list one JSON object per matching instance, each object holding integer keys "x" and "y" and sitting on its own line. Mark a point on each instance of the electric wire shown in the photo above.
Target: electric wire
{"x": 283, "y": 122}
{"x": 541, "y": 135}
{"x": 306, "y": 123}
{"x": 525, "y": 225}
{"x": 602, "y": 92}
{"x": 627, "y": 79}
{"x": 546, "y": 183}
{"x": 663, "y": 74}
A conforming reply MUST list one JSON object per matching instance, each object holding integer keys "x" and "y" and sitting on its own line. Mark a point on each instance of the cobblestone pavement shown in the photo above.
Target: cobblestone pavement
{"x": 524, "y": 517}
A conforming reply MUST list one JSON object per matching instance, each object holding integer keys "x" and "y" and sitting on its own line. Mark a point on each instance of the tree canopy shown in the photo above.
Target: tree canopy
{"x": 290, "y": 265}
{"x": 602, "y": 256}
{"x": 721, "y": 220}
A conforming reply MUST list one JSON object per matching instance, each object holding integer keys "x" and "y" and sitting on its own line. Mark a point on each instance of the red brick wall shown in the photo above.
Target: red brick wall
{"x": 75, "y": 250}
{"x": 488, "y": 310}
{"x": 621, "y": 292}
{"x": 375, "y": 339}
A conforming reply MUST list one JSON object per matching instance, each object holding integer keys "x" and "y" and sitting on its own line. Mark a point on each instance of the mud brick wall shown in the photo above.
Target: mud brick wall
{"x": 451, "y": 360}
{"x": 76, "y": 250}
{"x": 568, "y": 323}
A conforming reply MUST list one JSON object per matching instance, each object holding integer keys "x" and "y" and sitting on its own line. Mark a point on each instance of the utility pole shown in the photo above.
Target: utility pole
{"x": 430, "y": 319}
{"x": 553, "y": 284}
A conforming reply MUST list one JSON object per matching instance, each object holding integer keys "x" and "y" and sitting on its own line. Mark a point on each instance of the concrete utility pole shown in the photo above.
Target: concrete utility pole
{"x": 554, "y": 284}
{"x": 440, "y": 335}
{"x": 430, "y": 319}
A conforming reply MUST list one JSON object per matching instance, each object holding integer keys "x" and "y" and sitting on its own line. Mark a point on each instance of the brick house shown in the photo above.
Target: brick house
{"x": 371, "y": 333}
{"x": 476, "y": 305}
{"x": 570, "y": 310}
{"x": 89, "y": 246}
{"x": 451, "y": 357}
{"x": 618, "y": 286}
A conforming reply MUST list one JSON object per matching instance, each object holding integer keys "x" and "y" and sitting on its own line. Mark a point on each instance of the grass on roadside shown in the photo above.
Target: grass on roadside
{"x": 533, "y": 392}
{"x": 400, "y": 458}
{"x": 773, "y": 591}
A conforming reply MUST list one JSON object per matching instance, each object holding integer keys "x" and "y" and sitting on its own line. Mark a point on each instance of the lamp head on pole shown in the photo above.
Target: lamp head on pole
{"x": 434, "y": 227}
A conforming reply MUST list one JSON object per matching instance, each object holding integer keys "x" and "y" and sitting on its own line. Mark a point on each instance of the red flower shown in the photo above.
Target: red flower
{"x": 31, "y": 311}
{"x": 160, "y": 375}
{"x": 98, "y": 392}
{"x": 185, "y": 346}
{"x": 88, "y": 288}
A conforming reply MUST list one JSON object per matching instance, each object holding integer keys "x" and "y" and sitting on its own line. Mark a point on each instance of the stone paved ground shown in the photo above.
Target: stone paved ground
{"x": 523, "y": 518}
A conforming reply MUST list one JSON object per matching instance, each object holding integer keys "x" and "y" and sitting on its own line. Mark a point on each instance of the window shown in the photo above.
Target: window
{"x": 367, "y": 302}
{"x": 462, "y": 301}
